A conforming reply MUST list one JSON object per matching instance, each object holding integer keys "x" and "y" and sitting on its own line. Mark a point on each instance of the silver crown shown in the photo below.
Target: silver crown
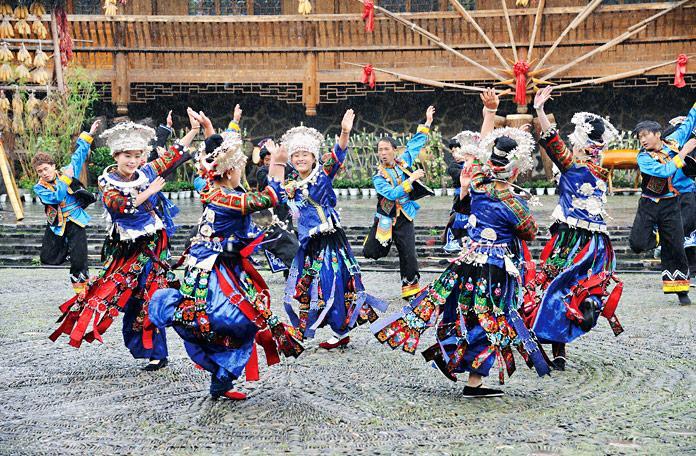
{"x": 228, "y": 155}
{"x": 468, "y": 143}
{"x": 520, "y": 158}
{"x": 580, "y": 138}
{"x": 302, "y": 139}
{"x": 129, "y": 136}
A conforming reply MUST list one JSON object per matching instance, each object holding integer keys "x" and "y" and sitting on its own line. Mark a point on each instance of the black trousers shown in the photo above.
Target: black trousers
{"x": 404, "y": 236}
{"x": 687, "y": 204}
{"x": 666, "y": 215}
{"x": 55, "y": 250}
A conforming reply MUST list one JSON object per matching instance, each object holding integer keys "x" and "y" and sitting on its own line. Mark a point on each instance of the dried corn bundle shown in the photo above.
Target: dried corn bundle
{"x": 39, "y": 29}
{"x": 23, "y": 28}
{"x": 6, "y": 29}
{"x": 31, "y": 113}
{"x": 40, "y": 76}
{"x": 5, "y": 123}
{"x": 18, "y": 124}
{"x": 37, "y": 9}
{"x": 22, "y": 72}
{"x": 110, "y": 8}
{"x": 6, "y": 56}
{"x": 40, "y": 59}
{"x": 21, "y": 12}
{"x": 23, "y": 55}
{"x": 6, "y": 9}
{"x": 7, "y": 74}
{"x": 17, "y": 103}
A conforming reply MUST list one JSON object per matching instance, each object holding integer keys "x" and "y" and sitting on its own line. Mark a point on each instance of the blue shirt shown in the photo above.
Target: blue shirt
{"x": 58, "y": 193}
{"x": 393, "y": 188}
{"x": 680, "y": 182}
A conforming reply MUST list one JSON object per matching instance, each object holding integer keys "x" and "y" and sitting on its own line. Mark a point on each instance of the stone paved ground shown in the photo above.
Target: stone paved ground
{"x": 634, "y": 394}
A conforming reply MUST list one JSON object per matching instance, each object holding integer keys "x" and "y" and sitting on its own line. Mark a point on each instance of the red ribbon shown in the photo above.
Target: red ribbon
{"x": 368, "y": 76}
{"x": 680, "y": 71}
{"x": 520, "y": 71}
{"x": 368, "y": 15}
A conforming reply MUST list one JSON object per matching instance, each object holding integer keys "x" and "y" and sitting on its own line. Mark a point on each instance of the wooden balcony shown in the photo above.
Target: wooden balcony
{"x": 301, "y": 57}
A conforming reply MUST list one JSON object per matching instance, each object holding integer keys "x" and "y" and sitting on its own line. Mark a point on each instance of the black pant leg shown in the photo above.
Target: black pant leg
{"x": 675, "y": 269}
{"x": 687, "y": 204}
{"x": 77, "y": 250}
{"x": 404, "y": 236}
{"x": 642, "y": 237}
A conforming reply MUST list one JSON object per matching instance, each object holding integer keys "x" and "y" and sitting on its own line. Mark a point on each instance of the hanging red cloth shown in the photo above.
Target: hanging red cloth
{"x": 520, "y": 71}
{"x": 680, "y": 71}
{"x": 368, "y": 76}
{"x": 368, "y": 15}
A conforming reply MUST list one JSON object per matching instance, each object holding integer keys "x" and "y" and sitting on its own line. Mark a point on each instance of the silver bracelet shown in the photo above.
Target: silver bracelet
{"x": 490, "y": 110}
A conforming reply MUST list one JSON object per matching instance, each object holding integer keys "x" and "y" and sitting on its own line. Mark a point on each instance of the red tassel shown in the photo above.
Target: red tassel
{"x": 520, "y": 70}
{"x": 368, "y": 76}
{"x": 252, "y": 366}
{"x": 680, "y": 71}
{"x": 368, "y": 15}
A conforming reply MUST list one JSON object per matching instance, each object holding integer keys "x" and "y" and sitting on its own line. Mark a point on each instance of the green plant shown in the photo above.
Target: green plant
{"x": 341, "y": 183}
{"x": 184, "y": 186}
{"x": 99, "y": 159}
{"x": 171, "y": 187}
{"x": 26, "y": 183}
{"x": 625, "y": 140}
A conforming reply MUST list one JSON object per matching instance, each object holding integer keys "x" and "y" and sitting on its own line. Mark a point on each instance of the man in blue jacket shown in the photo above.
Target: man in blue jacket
{"x": 660, "y": 162}
{"x": 65, "y": 234}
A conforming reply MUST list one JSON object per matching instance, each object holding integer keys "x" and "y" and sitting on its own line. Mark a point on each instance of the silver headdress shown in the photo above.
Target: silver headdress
{"x": 228, "y": 155}
{"x": 302, "y": 138}
{"x": 468, "y": 143}
{"x": 129, "y": 136}
{"x": 519, "y": 158}
{"x": 580, "y": 138}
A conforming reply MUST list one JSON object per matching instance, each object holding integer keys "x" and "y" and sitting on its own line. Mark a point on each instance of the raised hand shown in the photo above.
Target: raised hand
{"x": 237, "y": 116}
{"x": 416, "y": 175}
{"x": 194, "y": 118}
{"x": 170, "y": 121}
{"x": 157, "y": 185}
{"x": 347, "y": 122}
{"x": 542, "y": 97}
{"x": 429, "y": 114}
{"x": 206, "y": 124}
{"x": 466, "y": 175}
{"x": 95, "y": 126}
{"x": 490, "y": 99}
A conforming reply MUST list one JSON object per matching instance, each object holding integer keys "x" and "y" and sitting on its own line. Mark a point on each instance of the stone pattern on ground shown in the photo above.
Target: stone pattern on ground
{"x": 628, "y": 395}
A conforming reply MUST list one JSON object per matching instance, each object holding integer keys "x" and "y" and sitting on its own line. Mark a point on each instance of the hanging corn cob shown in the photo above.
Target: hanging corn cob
{"x": 6, "y": 9}
{"x": 23, "y": 55}
{"x": 7, "y": 73}
{"x": 40, "y": 76}
{"x": 21, "y": 12}
{"x": 17, "y": 111}
{"x": 39, "y": 29}
{"x": 40, "y": 58}
{"x": 37, "y": 9}
{"x": 304, "y": 7}
{"x": 6, "y": 29}
{"x": 110, "y": 8}
{"x": 31, "y": 113}
{"x": 22, "y": 72}
{"x": 6, "y": 55}
{"x": 23, "y": 28}
{"x": 5, "y": 123}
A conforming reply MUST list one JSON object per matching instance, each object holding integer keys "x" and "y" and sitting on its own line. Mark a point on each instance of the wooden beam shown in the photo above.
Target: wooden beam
{"x": 573, "y": 24}
{"x": 10, "y": 184}
{"x": 536, "y": 27}
{"x": 511, "y": 35}
{"x": 465, "y": 14}
{"x": 633, "y": 30}
{"x": 434, "y": 38}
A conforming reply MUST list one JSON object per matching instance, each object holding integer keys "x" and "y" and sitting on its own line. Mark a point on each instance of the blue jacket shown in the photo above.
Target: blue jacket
{"x": 390, "y": 182}
{"x": 58, "y": 193}
{"x": 682, "y": 183}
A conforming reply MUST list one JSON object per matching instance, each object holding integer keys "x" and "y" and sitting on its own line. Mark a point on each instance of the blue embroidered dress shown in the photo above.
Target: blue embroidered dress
{"x": 325, "y": 277}
{"x": 475, "y": 300}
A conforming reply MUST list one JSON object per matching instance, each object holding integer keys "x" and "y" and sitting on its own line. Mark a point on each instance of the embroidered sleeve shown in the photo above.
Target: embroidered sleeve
{"x": 233, "y": 126}
{"x": 243, "y": 202}
{"x": 333, "y": 161}
{"x": 116, "y": 201}
{"x": 478, "y": 180}
{"x": 168, "y": 160}
{"x": 415, "y": 144}
{"x": 650, "y": 165}
{"x": 387, "y": 189}
{"x": 526, "y": 226}
{"x": 558, "y": 151}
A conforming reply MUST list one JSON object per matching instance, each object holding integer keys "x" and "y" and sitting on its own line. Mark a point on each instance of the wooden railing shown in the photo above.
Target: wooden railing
{"x": 277, "y": 49}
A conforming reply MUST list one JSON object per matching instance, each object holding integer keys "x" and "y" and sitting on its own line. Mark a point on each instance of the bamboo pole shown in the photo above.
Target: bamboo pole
{"x": 509, "y": 29}
{"x": 465, "y": 14}
{"x": 616, "y": 77}
{"x": 10, "y": 184}
{"x": 428, "y": 82}
{"x": 435, "y": 39}
{"x": 573, "y": 24}
{"x": 58, "y": 65}
{"x": 535, "y": 29}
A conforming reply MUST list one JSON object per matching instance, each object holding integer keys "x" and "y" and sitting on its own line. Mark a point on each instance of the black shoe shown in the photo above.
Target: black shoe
{"x": 684, "y": 299}
{"x": 587, "y": 308}
{"x": 480, "y": 391}
{"x": 559, "y": 363}
{"x": 151, "y": 367}
{"x": 440, "y": 363}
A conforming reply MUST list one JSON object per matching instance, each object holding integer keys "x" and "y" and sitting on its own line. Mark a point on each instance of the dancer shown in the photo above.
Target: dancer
{"x": 65, "y": 200}
{"x": 396, "y": 207}
{"x": 660, "y": 162}
{"x": 325, "y": 277}
{"x": 138, "y": 250}
{"x": 476, "y": 298}
{"x": 463, "y": 148}
{"x": 223, "y": 305}
{"x": 577, "y": 266}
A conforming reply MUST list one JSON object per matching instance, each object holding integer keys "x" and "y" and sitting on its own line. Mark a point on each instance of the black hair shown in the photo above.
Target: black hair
{"x": 212, "y": 142}
{"x": 506, "y": 145}
{"x": 647, "y": 125}
{"x": 598, "y": 129}
{"x": 389, "y": 139}
{"x": 453, "y": 144}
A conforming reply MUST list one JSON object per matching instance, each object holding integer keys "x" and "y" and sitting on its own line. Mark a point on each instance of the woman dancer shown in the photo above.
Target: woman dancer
{"x": 325, "y": 277}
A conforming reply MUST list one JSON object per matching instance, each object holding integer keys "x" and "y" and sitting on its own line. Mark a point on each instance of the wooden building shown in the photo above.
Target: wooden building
{"x": 159, "y": 48}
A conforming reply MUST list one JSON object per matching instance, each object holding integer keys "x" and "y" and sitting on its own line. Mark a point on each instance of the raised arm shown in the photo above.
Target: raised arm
{"x": 332, "y": 162}
{"x": 415, "y": 144}
{"x": 490, "y": 107}
{"x": 236, "y": 119}
{"x": 84, "y": 142}
{"x": 176, "y": 155}
{"x": 649, "y": 165}
{"x": 683, "y": 132}
{"x": 540, "y": 100}
{"x": 550, "y": 140}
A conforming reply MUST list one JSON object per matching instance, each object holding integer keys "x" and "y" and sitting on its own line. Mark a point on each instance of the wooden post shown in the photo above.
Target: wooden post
{"x": 120, "y": 86}
{"x": 310, "y": 85}
{"x": 58, "y": 65}
{"x": 10, "y": 184}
